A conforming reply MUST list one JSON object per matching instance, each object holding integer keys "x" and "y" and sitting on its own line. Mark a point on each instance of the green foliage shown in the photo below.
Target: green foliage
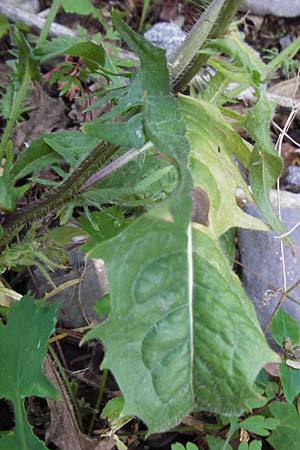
{"x": 23, "y": 344}
{"x": 4, "y": 26}
{"x": 287, "y": 434}
{"x": 44, "y": 252}
{"x": 103, "y": 226}
{"x": 265, "y": 164}
{"x": 113, "y": 408}
{"x": 181, "y": 335}
{"x": 9, "y": 194}
{"x": 72, "y": 146}
{"x": 215, "y": 443}
{"x": 285, "y": 332}
{"x": 290, "y": 379}
{"x": 189, "y": 446}
{"x": 212, "y": 141}
{"x": 259, "y": 425}
{"x": 283, "y": 325}
{"x": 160, "y": 327}
{"x": 83, "y": 7}
{"x": 36, "y": 157}
{"x": 25, "y": 59}
{"x": 254, "y": 445}
{"x": 93, "y": 54}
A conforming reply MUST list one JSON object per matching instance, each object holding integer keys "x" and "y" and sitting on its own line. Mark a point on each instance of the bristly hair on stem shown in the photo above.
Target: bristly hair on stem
{"x": 188, "y": 60}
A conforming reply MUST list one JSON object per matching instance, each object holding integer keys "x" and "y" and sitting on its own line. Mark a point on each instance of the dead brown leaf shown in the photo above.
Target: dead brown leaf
{"x": 286, "y": 93}
{"x": 47, "y": 114}
{"x": 272, "y": 369}
{"x": 201, "y": 205}
{"x": 192, "y": 421}
{"x": 107, "y": 443}
{"x": 169, "y": 10}
{"x": 257, "y": 22}
{"x": 3, "y": 74}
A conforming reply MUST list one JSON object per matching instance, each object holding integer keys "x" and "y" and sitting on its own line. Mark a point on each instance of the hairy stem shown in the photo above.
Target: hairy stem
{"x": 187, "y": 60}
{"x": 14, "y": 221}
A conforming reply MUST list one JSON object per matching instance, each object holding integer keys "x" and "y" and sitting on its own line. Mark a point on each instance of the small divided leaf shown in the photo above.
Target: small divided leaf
{"x": 254, "y": 445}
{"x": 259, "y": 425}
{"x": 215, "y": 443}
{"x": 286, "y": 436}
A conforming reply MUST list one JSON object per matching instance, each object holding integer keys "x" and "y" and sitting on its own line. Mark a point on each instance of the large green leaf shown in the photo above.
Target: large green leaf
{"x": 125, "y": 134}
{"x": 72, "y": 146}
{"x": 179, "y": 317}
{"x": 185, "y": 344}
{"x": 265, "y": 164}
{"x": 159, "y": 105}
{"x": 93, "y": 54}
{"x": 212, "y": 141}
{"x": 23, "y": 344}
{"x": 105, "y": 225}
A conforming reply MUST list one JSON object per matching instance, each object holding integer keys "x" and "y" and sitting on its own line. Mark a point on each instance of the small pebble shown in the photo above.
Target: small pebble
{"x": 284, "y": 42}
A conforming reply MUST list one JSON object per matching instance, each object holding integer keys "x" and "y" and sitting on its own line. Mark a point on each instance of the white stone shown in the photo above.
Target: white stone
{"x": 30, "y": 6}
{"x": 288, "y": 8}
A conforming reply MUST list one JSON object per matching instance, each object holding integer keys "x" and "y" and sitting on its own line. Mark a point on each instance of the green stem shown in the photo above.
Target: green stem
{"x": 99, "y": 398}
{"x": 19, "y": 416}
{"x": 50, "y": 18}
{"x": 187, "y": 60}
{"x": 16, "y": 220}
{"x": 15, "y": 111}
{"x": 232, "y": 429}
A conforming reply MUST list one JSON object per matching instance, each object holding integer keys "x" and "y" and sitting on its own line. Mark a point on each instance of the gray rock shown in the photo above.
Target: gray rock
{"x": 166, "y": 35}
{"x": 76, "y": 302}
{"x": 292, "y": 180}
{"x": 30, "y": 6}
{"x": 262, "y": 275}
{"x": 284, "y": 42}
{"x": 287, "y": 8}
